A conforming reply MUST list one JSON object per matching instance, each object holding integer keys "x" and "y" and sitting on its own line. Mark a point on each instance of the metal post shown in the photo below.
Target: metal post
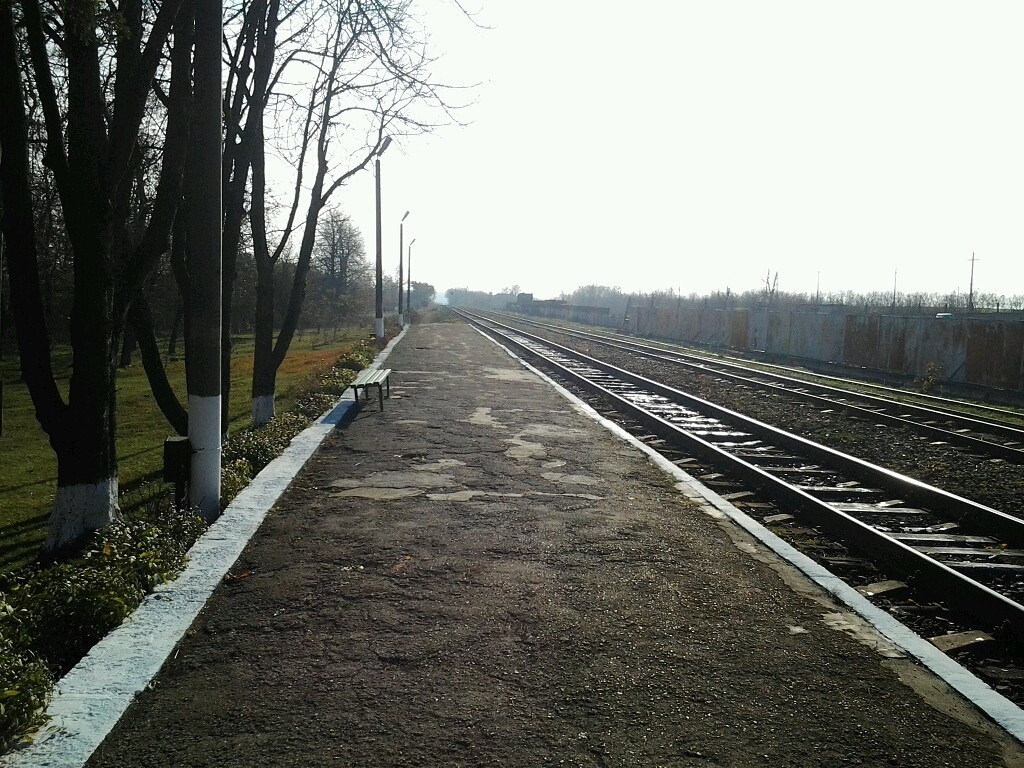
{"x": 379, "y": 325}
{"x": 401, "y": 224}
{"x": 408, "y": 289}
{"x": 970, "y": 296}
{"x": 202, "y": 355}
{"x": 2, "y": 312}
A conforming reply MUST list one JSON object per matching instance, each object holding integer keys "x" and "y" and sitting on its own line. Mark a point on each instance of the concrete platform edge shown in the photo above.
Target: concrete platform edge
{"x": 996, "y": 707}
{"x": 89, "y": 700}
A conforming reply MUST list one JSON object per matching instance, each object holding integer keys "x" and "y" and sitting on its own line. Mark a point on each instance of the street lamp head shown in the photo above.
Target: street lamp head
{"x": 384, "y": 145}
{"x": 406, "y": 216}
{"x": 411, "y": 242}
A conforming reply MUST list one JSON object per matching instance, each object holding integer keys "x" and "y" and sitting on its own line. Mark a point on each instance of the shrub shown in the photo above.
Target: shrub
{"x": 932, "y": 376}
{"x": 151, "y": 543}
{"x": 66, "y": 608}
{"x": 50, "y": 617}
{"x": 249, "y": 445}
{"x": 360, "y": 356}
{"x": 336, "y": 381}
{"x": 234, "y": 476}
{"x": 25, "y": 682}
{"x": 261, "y": 445}
{"x": 312, "y": 405}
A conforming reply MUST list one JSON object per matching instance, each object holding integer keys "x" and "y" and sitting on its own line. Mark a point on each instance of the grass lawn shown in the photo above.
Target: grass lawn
{"x": 28, "y": 468}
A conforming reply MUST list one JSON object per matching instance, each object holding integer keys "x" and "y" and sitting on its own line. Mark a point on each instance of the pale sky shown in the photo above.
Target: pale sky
{"x": 696, "y": 145}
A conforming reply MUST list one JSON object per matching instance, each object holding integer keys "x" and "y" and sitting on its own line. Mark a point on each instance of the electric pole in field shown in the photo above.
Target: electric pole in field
{"x": 202, "y": 352}
{"x": 970, "y": 294}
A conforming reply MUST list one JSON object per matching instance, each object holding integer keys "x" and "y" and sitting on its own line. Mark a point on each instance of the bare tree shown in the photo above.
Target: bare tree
{"x": 339, "y": 259}
{"x": 92, "y": 71}
{"x": 365, "y": 74}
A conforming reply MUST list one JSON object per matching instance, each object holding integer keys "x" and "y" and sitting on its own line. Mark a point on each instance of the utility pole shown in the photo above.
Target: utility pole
{"x": 408, "y": 288}
{"x": 770, "y": 289}
{"x": 1, "y": 312}
{"x": 202, "y": 352}
{"x": 894, "y": 273}
{"x": 970, "y": 295}
{"x": 401, "y": 224}
{"x": 379, "y": 325}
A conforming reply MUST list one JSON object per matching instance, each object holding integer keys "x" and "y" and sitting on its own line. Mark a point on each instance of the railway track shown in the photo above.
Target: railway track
{"x": 996, "y": 436}
{"x": 958, "y": 557}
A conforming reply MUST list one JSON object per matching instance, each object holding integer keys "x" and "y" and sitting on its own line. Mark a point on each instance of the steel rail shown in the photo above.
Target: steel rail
{"x": 971, "y": 597}
{"x": 949, "y": 402}
{"x": 709, "y": 366}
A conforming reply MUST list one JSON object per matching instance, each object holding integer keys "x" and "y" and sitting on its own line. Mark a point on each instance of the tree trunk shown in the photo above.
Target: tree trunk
{"x": 90, "y": 150}
{"x": 127, "y": 347}
{"x": 264, "y": 369}
{"x": 163, "y": 393}
{"x": 172, "y": 342}
{"x": 81, "y": 432}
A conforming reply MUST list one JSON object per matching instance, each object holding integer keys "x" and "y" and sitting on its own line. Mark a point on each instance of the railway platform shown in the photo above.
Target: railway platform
{"x": 483, "y": 574}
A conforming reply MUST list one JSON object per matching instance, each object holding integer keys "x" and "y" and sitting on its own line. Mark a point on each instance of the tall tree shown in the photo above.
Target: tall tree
{"x": 92, "y": 71}
{"x": 339, "y": 259}
{"x": 251, "y": 75}
{"x": 365, "y": 75}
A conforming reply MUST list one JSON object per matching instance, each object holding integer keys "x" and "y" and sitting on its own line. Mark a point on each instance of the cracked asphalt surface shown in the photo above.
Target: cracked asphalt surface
{"x": 481, "y": 575}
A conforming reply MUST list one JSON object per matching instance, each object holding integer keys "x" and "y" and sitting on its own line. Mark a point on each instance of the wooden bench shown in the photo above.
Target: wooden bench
{"x": 380, "y": 379}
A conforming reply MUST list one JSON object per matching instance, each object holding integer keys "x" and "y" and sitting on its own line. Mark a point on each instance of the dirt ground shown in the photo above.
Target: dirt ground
{"x": 481, "y": 576}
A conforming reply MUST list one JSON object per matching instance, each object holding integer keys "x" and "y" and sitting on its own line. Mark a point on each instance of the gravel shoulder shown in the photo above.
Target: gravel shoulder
{"x": 479, "y": 575}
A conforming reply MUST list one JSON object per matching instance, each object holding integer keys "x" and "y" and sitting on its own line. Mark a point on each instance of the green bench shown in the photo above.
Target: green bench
{"x": 380, "y": 379}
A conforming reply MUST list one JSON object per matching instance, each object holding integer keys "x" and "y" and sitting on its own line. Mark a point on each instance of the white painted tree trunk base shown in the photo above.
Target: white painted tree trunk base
{"x": 262, "y": 410}
{"x": 204, "y": 435}
{"x": 79, "y": 509}
{"x": 401, "y": 320}
{"x": 379, "y": 327}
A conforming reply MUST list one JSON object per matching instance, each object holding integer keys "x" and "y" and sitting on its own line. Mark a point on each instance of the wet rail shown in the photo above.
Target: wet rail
{"x": 968, "y": 556}
{"x": 998, "y": 439}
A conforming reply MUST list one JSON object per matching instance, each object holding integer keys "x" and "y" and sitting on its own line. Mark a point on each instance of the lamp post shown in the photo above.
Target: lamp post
{"x": 408, "y": 292}
{"x": 401, "y": 224}
{"x": 379, "y": 325}
{"x": 203, "y": 344}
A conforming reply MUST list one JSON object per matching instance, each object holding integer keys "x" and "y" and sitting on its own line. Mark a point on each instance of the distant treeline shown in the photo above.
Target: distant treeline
{"x": 873, "y": 302}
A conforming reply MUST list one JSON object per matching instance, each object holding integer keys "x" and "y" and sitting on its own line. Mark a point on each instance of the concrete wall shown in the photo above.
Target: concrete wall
{"x": 981, "y": 351}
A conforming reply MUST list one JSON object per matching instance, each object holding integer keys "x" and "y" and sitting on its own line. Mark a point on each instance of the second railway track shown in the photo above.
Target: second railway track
{"x": 996, "y": 434}
{"x": 969, "y": 471}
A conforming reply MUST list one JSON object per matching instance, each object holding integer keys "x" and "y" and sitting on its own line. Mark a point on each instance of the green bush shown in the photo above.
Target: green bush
{"x": 234, "y": 476}
{"x": 283, "y": 427}
{"x": 336, "y": 381}
{"x": 249, "y": 445}
{"x": 151, "y": 543}
{"x": 51, "y": 616}
{"x": 261, "y": 445}
{"x": 66, "y": 608}
{"x": 313, "y": 405}
{"x": 25, "y": 682}
{"x": 360, "y": 356}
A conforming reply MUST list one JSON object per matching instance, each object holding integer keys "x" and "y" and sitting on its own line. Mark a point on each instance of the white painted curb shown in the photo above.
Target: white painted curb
{"x": 996, "y": 706}
{"x": 90, "y": 699}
